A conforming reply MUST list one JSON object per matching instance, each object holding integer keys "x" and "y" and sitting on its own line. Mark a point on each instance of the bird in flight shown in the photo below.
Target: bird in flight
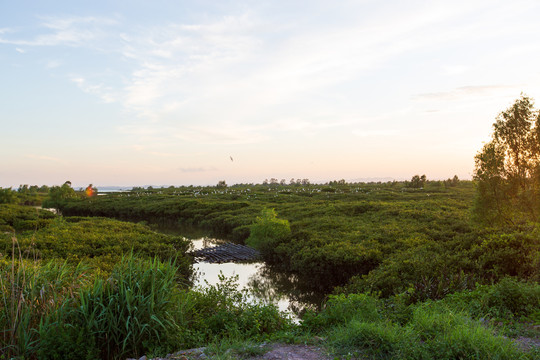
{"x": 231, "y": 158}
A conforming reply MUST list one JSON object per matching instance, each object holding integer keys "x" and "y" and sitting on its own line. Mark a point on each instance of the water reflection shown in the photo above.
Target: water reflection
{"x": 265, "y": 283}
{"x": 270, "y": 283}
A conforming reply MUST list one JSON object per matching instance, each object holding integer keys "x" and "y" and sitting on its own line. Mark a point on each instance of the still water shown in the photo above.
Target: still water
{"x": 249, "y": 276}
{"x": 264, "y": 283}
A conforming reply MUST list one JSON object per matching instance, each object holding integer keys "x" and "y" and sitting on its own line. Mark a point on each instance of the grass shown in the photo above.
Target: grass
{"x": 363, "y": 326}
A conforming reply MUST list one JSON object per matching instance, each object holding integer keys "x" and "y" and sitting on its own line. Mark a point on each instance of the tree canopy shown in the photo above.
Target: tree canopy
{"x": 507, "y": 169}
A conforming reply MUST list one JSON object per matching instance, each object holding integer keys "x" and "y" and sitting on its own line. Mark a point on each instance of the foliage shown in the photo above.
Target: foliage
{"x": 507, "y": 169}
{"x": 333, "y": 235}
{"x": 30, "y": 294}
{"x": 7, "y": 196}
{"x": 223, "y": 311}
{"x": 417, "y": 181}
{"x": 58, "y": 311}
{"x": 268, "y": 232}
{"x": 22, "y": 218}
{"x": 509, "y": 300}
{"x": 131, "y": 310}
{"x": 99, "y": 241}
{"x": 363, "y": 326}
{"x": 58, "y": 195}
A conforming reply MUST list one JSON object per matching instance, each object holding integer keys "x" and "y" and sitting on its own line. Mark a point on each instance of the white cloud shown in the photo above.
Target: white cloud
{"x": 66, "y": 31}
{"x": 46, "y": 158}
{"x": 52, "y": 64}
{"x": 464, "y": 91}
{"x": 106, "y": 93}
{"x": 374, "y": 133}
{"x": 196, "y": 169}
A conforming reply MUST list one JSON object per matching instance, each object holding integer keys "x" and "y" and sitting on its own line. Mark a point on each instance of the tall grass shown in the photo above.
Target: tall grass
{"x": 133, "y": 309}
{"x": 46, "y": 307}
{"x": 30, "y": 293}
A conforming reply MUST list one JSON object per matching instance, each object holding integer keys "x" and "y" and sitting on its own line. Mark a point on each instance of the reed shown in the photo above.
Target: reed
{"x": 31, "y": 293}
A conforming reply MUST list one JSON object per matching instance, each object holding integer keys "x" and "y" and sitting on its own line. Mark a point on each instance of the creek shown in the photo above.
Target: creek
{"x": 264, "y": 283}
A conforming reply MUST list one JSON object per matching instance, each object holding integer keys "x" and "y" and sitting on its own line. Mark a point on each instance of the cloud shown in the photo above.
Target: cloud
{"x": 455, "y": 69}
{"x": 52, "y": 64}
{"x": 196, "y": 169}
{"x": 46, "y": 158}
{"x": 221, "y": 134}
{"x": 75, "y": 31}
{"x": 19, "y": 50}
{"x": 106, "y": 93}
{"x": 463, "y": 91}
{"x": 374, "y": 133}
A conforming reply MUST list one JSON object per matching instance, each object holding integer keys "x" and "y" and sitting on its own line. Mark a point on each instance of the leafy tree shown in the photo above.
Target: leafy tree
{"x": 58, "y": 195}
{"x": 417, "y": 181}
{"x": 7, "y": 196}
{"x": 507, "y": 169}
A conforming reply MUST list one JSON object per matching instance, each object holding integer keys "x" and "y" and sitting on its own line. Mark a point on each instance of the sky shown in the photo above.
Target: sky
{"x": 135, "y": 93}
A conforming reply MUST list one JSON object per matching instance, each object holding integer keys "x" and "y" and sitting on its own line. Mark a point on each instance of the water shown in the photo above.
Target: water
{"x": 248, "y": 274}
{"x": 266, "y": 284}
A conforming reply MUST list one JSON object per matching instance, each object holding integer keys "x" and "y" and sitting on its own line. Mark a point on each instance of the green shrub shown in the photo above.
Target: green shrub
{"x": 222, "y": 311}
{"x": 507, "y": 300}
{"x": 369, "y": 340}
{"x": 340, "y": 309}
{"x": 63, "y": 341}
{"x": 268, "y": 232}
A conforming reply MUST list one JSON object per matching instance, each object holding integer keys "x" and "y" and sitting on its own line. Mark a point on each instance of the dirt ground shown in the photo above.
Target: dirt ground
{"x": 294, "y": 352}
{"x": 278, "y": 351}
{"x": 275, "y": 352}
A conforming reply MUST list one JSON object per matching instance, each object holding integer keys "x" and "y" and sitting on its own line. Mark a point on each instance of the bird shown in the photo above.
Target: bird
{"x": 231, "y": 158}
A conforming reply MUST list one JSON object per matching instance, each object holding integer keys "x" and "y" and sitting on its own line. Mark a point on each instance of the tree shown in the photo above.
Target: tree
{"x": 221, "y": 184}
{"x": 58, "y": 195}
{"x": 7, "y": 196}
{"x": 417, "y": 181}
{"x": 507, "y": 169}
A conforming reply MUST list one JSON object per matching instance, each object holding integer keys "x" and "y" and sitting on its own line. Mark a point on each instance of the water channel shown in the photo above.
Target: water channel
{"x": 264, "y": 283}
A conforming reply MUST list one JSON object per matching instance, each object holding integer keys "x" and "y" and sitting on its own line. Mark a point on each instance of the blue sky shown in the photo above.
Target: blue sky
{"x": 165, "y": 92}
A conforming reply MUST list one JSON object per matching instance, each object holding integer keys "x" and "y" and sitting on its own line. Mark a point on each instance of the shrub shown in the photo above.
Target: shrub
{"x": 268, "y": 232}
{"x": 340, "y": 309}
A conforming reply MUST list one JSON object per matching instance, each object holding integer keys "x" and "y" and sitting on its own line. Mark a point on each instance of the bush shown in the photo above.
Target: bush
{"x": 449, "y": 335}
{"x": 268, "y": 232}
{"x": 509, "y": 299}
{"x": 340, "y": 309}
{"x": 370, "y": 340}
{"x": 222, "y": 311}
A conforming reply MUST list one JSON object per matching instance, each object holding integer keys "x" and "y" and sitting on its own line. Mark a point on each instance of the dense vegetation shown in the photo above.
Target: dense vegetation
{"x": 385, "y": 238}
{"x": 74, "y": 287}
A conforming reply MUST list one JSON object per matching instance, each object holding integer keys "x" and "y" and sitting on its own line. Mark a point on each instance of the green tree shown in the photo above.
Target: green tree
{"x": 7, "y": 196}
{"x": 58, "y": 195}
{"x": 417, "y": 181}
{"x": 507, "y": 169}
